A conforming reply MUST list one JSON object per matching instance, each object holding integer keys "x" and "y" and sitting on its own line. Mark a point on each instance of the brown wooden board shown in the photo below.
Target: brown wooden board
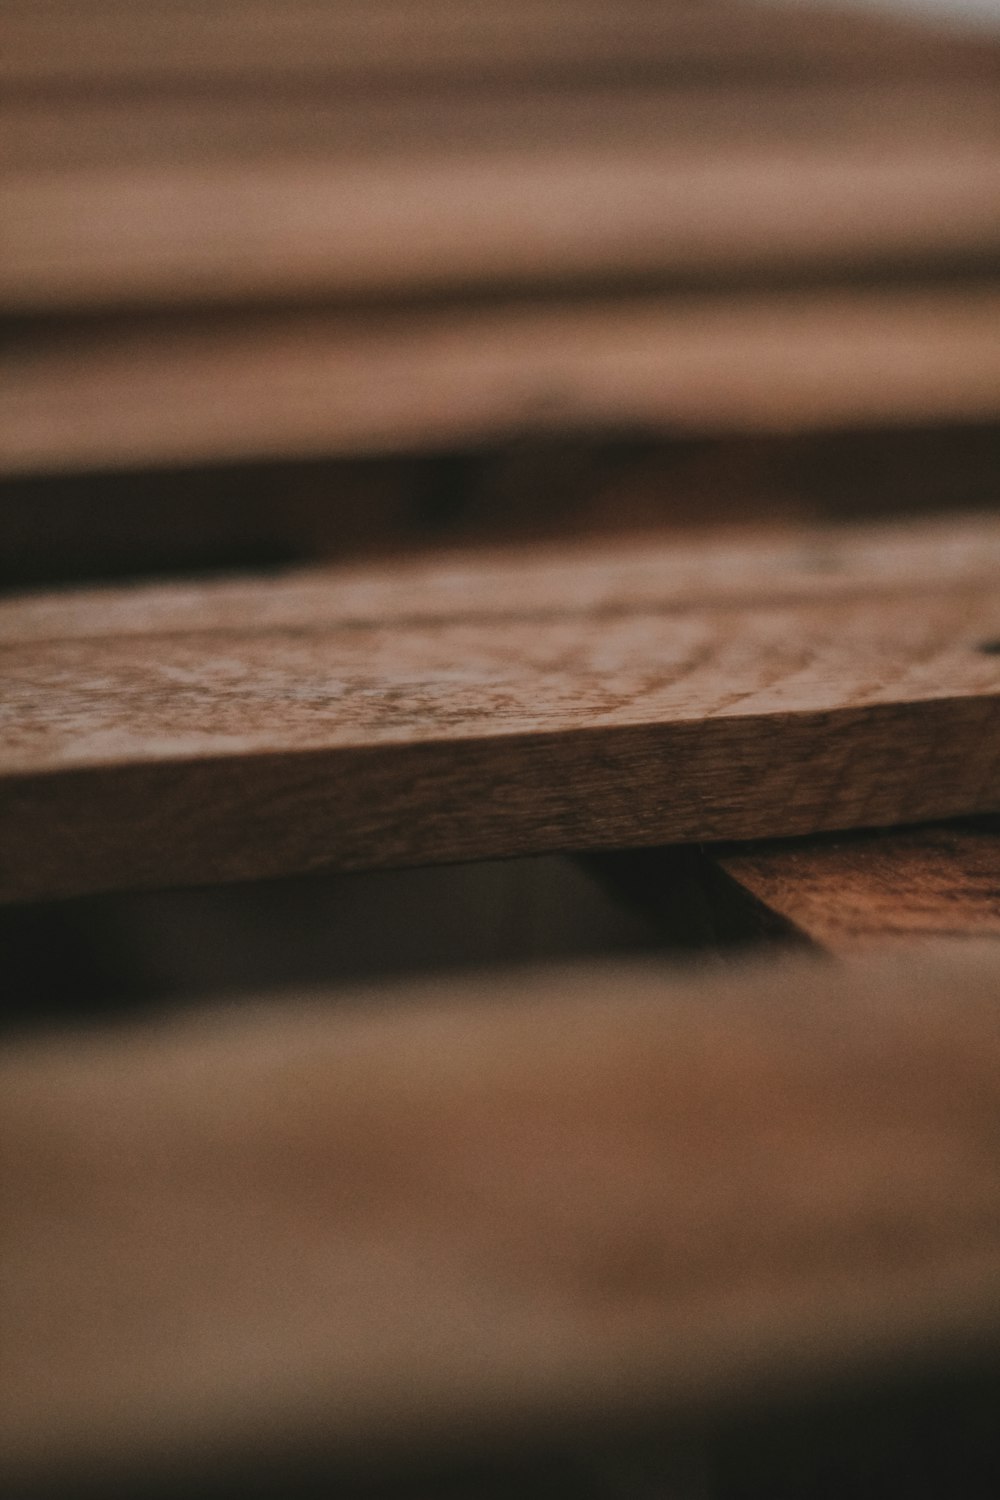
{"x": 558, "y": 204}
{"x": 293, "y": 384}
{"x": 48, "y": 43}
{"x": 58, "y": 529}
{"x": 849, "y": 892}
{"x": 489, "y": 706}
{"x": 92, "y": 129}
{"x": 438, "y": 1213}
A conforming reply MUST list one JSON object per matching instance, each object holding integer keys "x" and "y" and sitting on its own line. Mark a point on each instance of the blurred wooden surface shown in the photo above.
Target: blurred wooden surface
{"x": 52, "y": 43}
{"x": 100, "y": 129}
{"x": 435, "y": 1211}
{"x": 268, "y": 384}
{"x": 416, "y": 216}
{"x": 366, "y": 229}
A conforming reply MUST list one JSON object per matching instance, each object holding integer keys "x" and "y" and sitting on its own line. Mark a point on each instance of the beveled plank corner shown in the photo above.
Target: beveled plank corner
{"x": 857, "y": 890}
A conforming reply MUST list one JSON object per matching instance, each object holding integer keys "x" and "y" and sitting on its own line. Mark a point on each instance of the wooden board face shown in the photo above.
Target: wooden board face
{"x": 855, "y": 891}
{"x": 52, "y": 44}
{"x": 842, "y": 893}
{"x": 91, "y": 130}
{"x": 479, "y": 708}
{"x": 404, "y": 1215}
{"x": 440, "y": 219}
{"x": 295, "y": 384}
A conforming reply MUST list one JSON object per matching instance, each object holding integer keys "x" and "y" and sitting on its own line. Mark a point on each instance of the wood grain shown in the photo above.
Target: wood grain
{"x": 257, "y": 385}
{"x": 848, "y": 893}
{"x": 579, "y": 1195}
{"x": 239, "y": 739}
{"x": 47, "y": 45}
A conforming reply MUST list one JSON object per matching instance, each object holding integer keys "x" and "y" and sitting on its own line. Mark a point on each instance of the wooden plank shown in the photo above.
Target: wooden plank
{"x": 243, "y": 744}
{"x": 45, "y": 132}
{"x": 256, "y": 385}
{"x": 848, "y": 893}
{"x": 658, "y": 573}
{"x": 72, "y": 529}
{"x": 843, "y": 893}
{"x": 392, "y": 41}
{"x": 444, "y": 1212}
{"x": 440, "y": 220}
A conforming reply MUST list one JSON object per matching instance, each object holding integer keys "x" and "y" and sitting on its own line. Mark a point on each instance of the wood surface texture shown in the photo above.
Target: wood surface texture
{"x": 396, "y": 1216}
{"x": 852, "y": 891}
{"x": 500, "y": 704}
{"x": 443, "y": 216}
{"x": 294, "y": 384}
{"x": 51, "y": 43}
{"x": 841, "y": 893}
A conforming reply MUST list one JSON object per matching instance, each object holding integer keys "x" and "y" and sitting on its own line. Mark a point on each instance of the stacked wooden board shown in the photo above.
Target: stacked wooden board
{"x": 491, "y": 705}
{"x": 482, "y": 243}
{"x": 556, "y": 1198}
{"x": 241, "y": 230}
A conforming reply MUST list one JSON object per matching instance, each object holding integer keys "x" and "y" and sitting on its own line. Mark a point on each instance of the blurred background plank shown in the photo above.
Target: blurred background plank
{"x": 446, "y": 217}
{"x": 308, "y": 383}
{"x": 389, "y": 41}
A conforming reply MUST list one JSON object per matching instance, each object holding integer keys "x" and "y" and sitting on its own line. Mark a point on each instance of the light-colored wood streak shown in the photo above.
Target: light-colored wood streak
{"x": 859, "y": 890}
{"x": 47, "y": 44}
{"x": 53, "y": 133}
{"x": 225, "y": 232}
{"x": 246, "y": 748}
{"x": 258, "y": 385}
{"x": 538, "y": 1197}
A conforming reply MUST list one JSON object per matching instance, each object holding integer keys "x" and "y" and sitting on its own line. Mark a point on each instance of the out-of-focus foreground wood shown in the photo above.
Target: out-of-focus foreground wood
{"x": 469, "y": 1209}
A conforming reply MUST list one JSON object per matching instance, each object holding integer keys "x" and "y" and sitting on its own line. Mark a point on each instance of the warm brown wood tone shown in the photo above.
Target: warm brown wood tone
{"x": 443, "y": 1210}
{"x": 439, "y": 216}
{"x": 294, "y": 384}
{"x": 850, "y": 892}
{"x": 841, "y": 893}
{"x": 817, "y": 680}
{"x": 661, "y": 572}
{"x": 49, "y": 43}
{"x": 97, "y": 129}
